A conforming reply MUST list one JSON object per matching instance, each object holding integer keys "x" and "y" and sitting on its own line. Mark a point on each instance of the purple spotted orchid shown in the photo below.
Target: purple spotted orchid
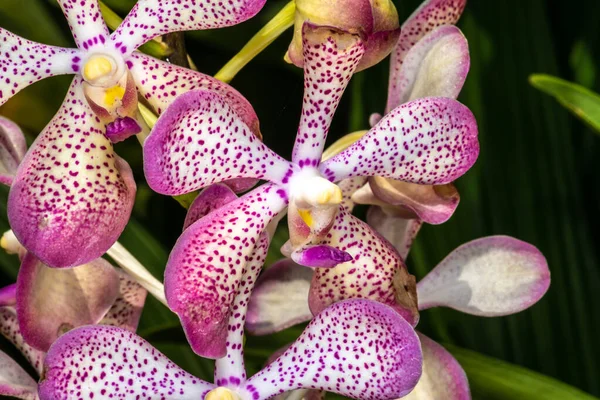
{"x": 200, "y": 140}
{"x": 72, "y": 195}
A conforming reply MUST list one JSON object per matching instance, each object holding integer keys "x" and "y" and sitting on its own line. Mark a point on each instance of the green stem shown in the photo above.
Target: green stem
{"x": 271, "y": 31}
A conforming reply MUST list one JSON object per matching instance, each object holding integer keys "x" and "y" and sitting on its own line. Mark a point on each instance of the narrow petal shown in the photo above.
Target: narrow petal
{"x": 400, "y": 232}
{"x": 491, "y": 276}
{"x": 280, "y": 298}
{"x": 24, "y": 62}
{"x": 443, "y": 377}
{"x": 201, "y": 140}
{"x": 429, "y": 15}
{"x": 12, "y": 149}
{"x": 426, "y": 141}
{"x": 151, "y": 18}
{"x": 376, "y": 272}
{"x": 160, "y": 83}
{"x": 210, "y": 199}
{"x": 205, "y": 267}
{"x": 127, "y": 308}
{"x": 348, "y": 187}
{"x": 72, "y": 196}
{"x": 104, "y": 362}
{"x": 365, "y": 351}
{"x": 86, "y": 22}
{"x": 52, "y": 301}
{"x": 9, "y": 328}
{"x": 330, "y": 58}
{"x": 436, "y": 66}
{"x": 8, "y": 295}
{"x": 14, "y": 381}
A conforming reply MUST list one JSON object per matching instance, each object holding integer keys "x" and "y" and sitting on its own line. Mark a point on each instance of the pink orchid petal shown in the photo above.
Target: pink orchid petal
{"x": 205, "y": 267}
{"x": 72, "y": 196}
{"x": 330, "y": 58}
{"x": 12, "y": 149}
{"x": 366, "y": 351}
{"x": 320, "y": 256}
{"x": 14, "y": 381}
{"x": 376, "y": 272}
{"x": 491, "y": 276}
{"x": 378, "y": 46}
{"x": 426, "y": 141}
{"x": 210, "y": 199}
{"x": 429, "y": 15}
{"x": 200, "y": 140}
{"x": 52, "y": 301}
{"x": 8, "y": 295}
{"x": 104, "y": 362}
{"x": 151, "y": 18}
{"x": 128, "y": 306}
{"x": 443, "y": 377}
{"x": 9, "y": 328}
{"x": 280, "y": 298}
{"x": 436, "y": 66}
{"x": 160, "y": 83}
{"x": 349, "y": 187}
{"x": 400, "y": 232}
{"x": 86, "y": 22}
{"x": 23, "y": 62}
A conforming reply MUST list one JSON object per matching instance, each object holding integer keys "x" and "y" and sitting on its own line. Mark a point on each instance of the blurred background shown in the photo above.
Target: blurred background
{"x": 537, "y": 177}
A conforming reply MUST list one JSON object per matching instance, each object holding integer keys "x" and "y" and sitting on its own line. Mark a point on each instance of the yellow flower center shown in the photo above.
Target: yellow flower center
{"x": 221, "y": 393}
{"x": 113, "y": 94}
{"x": 97, "y": 67}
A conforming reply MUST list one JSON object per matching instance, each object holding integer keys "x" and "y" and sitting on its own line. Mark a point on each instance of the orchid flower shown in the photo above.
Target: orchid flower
{"x": 12, "y": 149}
{"x": 72, "y": 195}
{"x": 492, "y": 276}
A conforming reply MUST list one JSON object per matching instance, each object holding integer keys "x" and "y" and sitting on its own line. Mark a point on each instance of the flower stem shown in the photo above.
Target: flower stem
{"x": 136, "y": 270}
{"x": 271, "y": 31}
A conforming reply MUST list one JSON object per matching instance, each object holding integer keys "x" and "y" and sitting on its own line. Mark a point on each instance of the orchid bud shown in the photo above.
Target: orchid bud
{"x": 375, "y": 20}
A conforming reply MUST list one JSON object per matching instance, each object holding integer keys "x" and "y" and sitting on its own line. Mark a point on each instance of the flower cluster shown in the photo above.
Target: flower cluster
{"x": 74, "y": 315}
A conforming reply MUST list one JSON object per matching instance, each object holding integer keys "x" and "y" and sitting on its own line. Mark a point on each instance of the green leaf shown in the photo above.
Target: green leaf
{"x": 492, "y": 379}
{"x": 582, "y": 102}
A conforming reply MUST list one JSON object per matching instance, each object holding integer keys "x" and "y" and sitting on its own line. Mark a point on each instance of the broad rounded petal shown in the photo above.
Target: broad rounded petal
{"x": 151, "y": 18}
{"x": 330, "y": 58}
{"x": 160, "y": 83}
{"x": 210, "y": 199}
{"x": 52, "y": 301}
{"x": 14, "y": 381}
{"x": 366, "y": 351}
{"x": 201, "y": 140}
{"x": 205, "y": 267}
{"x": 491, "y": 276}
{"x": 429, "y": 15}
{"x": 72, "y": 195}
{"x": 280, "y": 298}
{"x": 86, "y": 22}
{"x": 443, "y": 377}
{"x": 433, "y": 204}
{"x": 8, "y": 295}
{"x": 28, "y": 62}
{"x": 436, "y": 66}
{"x": 9, "y": 328}
{"x": 400, "y": 232}
{"x": 376, "y": 272}
{"x": 428, "y": 141}
{"x": 103, "y": 362}
{"x": 378, "y": 46}
{"x": 127, "y": 308}
{"x": 12, "y": 149}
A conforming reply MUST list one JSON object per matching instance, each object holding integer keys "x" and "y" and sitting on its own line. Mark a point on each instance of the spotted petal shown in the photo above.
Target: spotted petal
{"x": 127, "y": 308}
{"x": 429, "y": 15}
{"x": 103, "y": 362}
{"x": 14, "y": 381}
{"x": 376, "y": 272}
{"x": 86, "y": 22}
{"x": 12, "y": 149}
{"x": 366, "y": 351}
{"x": 9, "y": 328}
{"x": 330, "y": 58}
{"x": 208, "y": 200}
{"x": 24, "y": 62}
{"x": 200, "y": 140}
{"x": 205, "y": 267}
{"x": 280, "y": 298}
{"x": 400, "y": 232}
{"x": 151, "y": 18}
{"x": 72, "y": 196}
{"x": 426, "y": 141}
{"x": 491, "y": 276}
{"x": 443, "y": 377}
